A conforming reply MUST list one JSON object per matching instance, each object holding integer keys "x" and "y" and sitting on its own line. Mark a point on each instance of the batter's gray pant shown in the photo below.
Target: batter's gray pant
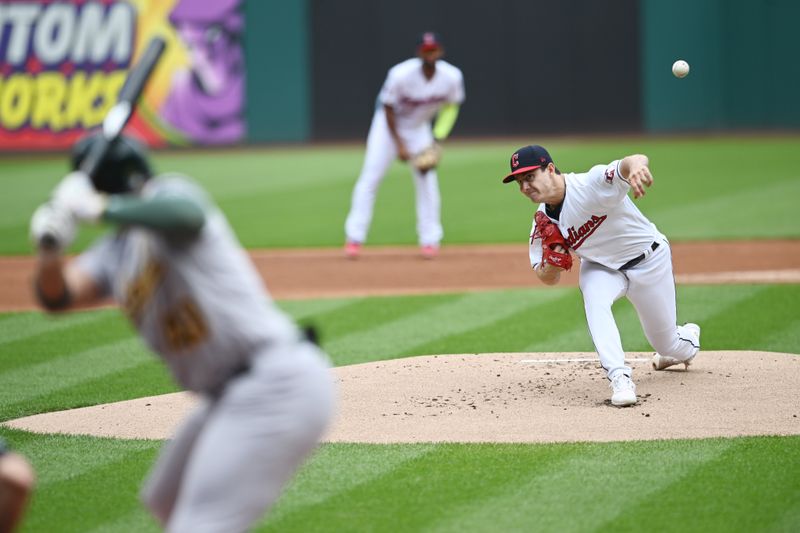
{"x": 230, "y": 459}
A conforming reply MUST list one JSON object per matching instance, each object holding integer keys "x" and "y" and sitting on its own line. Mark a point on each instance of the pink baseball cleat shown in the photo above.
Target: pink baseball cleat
{"x": 352, "y": 249}
{"x": 429, "y": 251}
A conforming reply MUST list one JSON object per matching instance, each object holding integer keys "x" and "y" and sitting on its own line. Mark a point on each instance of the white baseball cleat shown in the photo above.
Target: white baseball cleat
{"x": 624, "y": 391}
{"x": 660, "y": 362}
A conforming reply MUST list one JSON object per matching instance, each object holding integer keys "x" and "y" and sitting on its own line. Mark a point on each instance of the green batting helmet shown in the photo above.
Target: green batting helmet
{"x": 123, "y": 168}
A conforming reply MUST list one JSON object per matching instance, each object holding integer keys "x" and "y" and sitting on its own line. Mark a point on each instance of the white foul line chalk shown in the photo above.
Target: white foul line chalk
{"x": 589, "y": 360}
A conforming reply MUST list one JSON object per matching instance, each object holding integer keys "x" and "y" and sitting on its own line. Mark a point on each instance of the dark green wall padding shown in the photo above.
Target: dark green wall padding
{"x": 745, "y": 72}
{"x": 278, "y": 76}
{"x": 744, "y": 68}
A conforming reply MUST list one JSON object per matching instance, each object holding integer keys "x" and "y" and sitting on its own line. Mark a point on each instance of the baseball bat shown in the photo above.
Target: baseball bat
{"x": 121, "y": 112}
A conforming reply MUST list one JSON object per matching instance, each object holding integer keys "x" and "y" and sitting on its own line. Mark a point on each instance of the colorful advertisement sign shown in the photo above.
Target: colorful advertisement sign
{"x": 62, "y": 64}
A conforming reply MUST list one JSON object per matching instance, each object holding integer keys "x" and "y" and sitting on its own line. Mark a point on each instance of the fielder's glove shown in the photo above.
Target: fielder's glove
{"x": 428, "y": 158}
{"x": 77, "y": 195}
{"x": 551, "y": 237}
{"x": 52, "y": 227}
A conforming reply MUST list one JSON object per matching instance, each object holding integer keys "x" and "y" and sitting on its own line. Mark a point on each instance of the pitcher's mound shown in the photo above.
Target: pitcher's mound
{"x": 511, "y": 397}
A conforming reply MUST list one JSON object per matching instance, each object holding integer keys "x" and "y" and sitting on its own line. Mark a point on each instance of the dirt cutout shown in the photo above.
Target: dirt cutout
{"x": 502, "y": 397}
{"x": 322, "y": 273}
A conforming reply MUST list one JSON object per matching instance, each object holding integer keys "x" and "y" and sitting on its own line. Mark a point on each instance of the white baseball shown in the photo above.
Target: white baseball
{"x": 680, "y": 68}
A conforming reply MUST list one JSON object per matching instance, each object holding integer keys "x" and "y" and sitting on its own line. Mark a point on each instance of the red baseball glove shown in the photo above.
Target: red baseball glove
{"x": 551, "y": 237}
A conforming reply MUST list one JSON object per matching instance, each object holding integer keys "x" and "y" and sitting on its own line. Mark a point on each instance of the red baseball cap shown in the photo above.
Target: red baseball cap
{"x": 429, "y": 41}
{"x": 526, "y": 159}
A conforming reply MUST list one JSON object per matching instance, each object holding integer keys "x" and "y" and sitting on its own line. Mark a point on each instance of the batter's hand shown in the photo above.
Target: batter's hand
{"x": 17, "y": 480}
{"x": 639, "y": 178}
{"x": 52, "y": 227}
{"x": 77, "y": 195}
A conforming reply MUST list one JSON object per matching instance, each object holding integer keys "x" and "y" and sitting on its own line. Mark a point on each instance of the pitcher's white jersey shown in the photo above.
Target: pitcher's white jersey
{"x": 199, "y": 304}
{"x": 599, "y": 221}
{"x": 416, "y": 99}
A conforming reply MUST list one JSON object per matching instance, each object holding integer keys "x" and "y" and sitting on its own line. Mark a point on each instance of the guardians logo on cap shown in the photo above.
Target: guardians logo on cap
{"x": 526, "y": 159}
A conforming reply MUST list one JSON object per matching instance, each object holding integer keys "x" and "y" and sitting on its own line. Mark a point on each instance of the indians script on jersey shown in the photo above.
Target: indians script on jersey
{"x": 577, "y": 237}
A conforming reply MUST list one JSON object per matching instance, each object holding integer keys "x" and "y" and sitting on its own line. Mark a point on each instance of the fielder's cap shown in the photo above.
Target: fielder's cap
{"x": 526, "y": 159}
{"x": 429, "y": 41}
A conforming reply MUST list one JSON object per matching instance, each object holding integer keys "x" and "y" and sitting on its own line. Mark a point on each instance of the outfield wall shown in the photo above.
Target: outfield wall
{"x": 276, "y": 71}
{"x": 744, "y": 57}
{"x": 537, "y": 66}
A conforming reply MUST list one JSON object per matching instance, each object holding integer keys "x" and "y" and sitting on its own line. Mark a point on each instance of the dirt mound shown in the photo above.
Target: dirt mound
{"x": 517, "y": 397}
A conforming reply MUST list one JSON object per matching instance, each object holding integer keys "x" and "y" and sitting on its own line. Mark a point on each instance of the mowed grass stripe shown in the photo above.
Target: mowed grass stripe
{"x": 138, "y": 520}
{"x": 29, "y": 382}
{"x": 339, "y": 468}
{"x": 715, "y": 212}
{"x": 53, "y": 344}
{"x": 601, "y": 480}
{"x": 745, "y": 322}
{"x": 744, "y": 497}
{"x": 453, "y": 486}
{"x": 265, "y": 170}
{"x": 414, "y": 495}
{"x": 787, "y": 334}
{"x": 149, "y": 378}
{"x": 67, "y": 495}
{"x": 98, "y": 495}
{"x": 363, "y": 316}
{"x": 462, "y": 314}
{"x": 516, "y": 330}
{"x": 305, "y": 309}
{"x": 59, "y": 458}
{"x": 23, "y": 326}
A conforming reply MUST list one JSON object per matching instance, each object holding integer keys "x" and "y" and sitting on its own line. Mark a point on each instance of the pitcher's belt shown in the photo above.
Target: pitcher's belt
{"x": 636, "y": 260}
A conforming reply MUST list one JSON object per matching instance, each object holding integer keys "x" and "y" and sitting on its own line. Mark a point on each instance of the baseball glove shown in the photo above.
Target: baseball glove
{"x": 551, "y": 237}
{"x": 428, "y": 158}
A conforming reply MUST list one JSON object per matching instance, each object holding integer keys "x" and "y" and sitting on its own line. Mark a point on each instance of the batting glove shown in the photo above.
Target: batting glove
{"x": 52, "y": 227}
{"x": 77, "y": 195}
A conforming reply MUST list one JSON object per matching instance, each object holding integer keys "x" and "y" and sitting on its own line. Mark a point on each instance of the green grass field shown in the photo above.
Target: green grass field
{"x": 703, "y": 190}
{"x": 299, "y": 196}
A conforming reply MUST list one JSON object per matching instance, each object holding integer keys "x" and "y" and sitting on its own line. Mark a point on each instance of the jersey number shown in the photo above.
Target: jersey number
{"x": 184, "y": 326}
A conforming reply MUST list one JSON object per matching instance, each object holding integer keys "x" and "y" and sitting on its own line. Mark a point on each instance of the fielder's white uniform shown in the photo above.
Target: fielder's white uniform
{"x": 606, "y": 230}
{"x": 266, "y": 392}
{"x": 415, "y": 100}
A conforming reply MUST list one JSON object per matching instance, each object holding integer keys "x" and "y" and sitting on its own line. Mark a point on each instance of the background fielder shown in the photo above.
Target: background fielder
{"x": 413, "y": 93}
{"x": 183, "y": 280}
{"x": 622, "y": 254}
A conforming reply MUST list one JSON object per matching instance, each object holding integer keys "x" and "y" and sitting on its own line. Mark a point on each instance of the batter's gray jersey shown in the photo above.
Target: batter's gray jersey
{"x": 198, "y": 303}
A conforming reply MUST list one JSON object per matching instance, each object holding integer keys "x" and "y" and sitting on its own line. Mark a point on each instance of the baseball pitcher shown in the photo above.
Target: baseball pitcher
{"x": 621, "y": 254}
{"x": 179, "y": 274}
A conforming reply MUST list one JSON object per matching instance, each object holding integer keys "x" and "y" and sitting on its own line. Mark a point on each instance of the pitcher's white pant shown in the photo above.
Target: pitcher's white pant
{"x": 650, "y": 286}
{"x": 381, "y": 151}
{"x": 229, "y": 460}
